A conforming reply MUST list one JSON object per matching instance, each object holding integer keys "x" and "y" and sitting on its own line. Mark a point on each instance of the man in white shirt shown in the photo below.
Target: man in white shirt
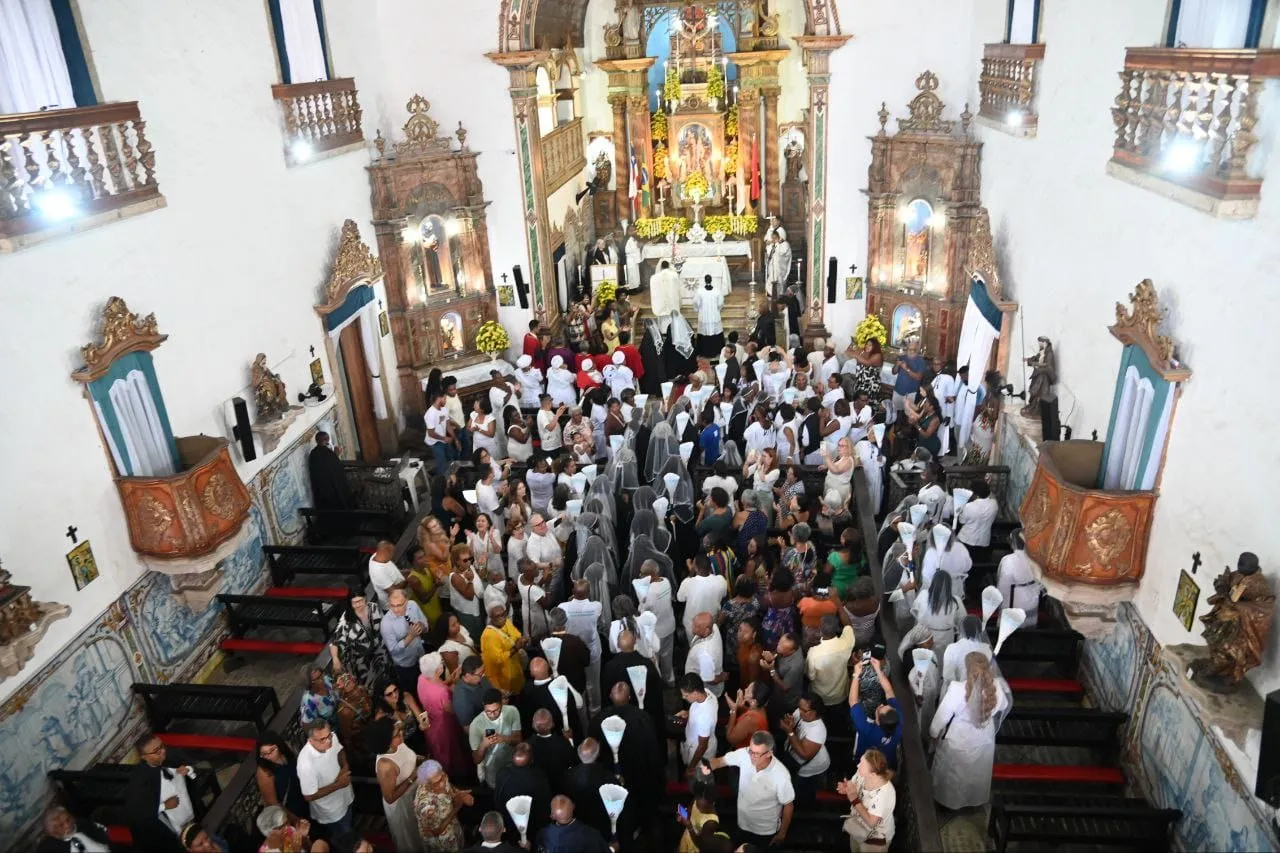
{"x": 807, "y": 747}
{"x": 700, "y": 722}
{"x": 324, "y": 778}
{"x": 620, "y": 377}
{"x": 759, "y": 434}
{"x": 977, "y": 516}
{"x": 861, "y": 412}
{"x": 656, "y": 599}
{"x": 946, "y": 387}
{"x": 584, "y": 623}
{"x": 830, "y": 365}
{"x": 706, "y": 655}
{"x": 803, "y": 390}
{"x": 384, "y": 574}
{"x": 700, "y": 592}
{"x": 766, "y": 798}
{"x": 549, "y": 426}
{"x": 542, "y": 548}
{"x": 828, "y": 662}
{"x": 457, "y": 417}
{"x": 834, "y": 392}
{"x": 438, "y": 442}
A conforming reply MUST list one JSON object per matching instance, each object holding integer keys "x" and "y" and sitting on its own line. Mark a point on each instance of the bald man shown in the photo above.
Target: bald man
{"x": 584, "y": 622}
{"x": 583, "y": 782}
{"x": 640, "y": 755}
{"x": 492, "y": 826}
{"x": 706, "y": 654}
{"x": 566, "y": 834}
{"x": 615, "y": 671}
{"x": 552, "y": 751}
{"x": 522, "y": 777}
{"x": 536, "y": 696}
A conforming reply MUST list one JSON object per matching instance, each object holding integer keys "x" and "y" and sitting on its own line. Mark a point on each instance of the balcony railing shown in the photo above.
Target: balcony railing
{"x": 1188, "y": 116}
{"x": 319, "y": 117}
{"x": 562, "y": 154}
{"x": 1010, "y": 73}
{"x": 62, "y": 165}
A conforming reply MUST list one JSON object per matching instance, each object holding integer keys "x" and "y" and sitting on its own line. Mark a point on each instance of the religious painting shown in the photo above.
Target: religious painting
{"x": 317, "y": 372}
{"x": 451, "y": 332}
{"x": 853, "y": 287}
{"x": 907, "y": 324}
{"x": 84, "y": 568}
{"x": 693, "y": 20}
{"x": 919, "y": 216}
{"x": 694, "y": 151}
{"x": 506, "y": 295}
{"x": 384, "y": 324}
{"x": 1186, "y": 599}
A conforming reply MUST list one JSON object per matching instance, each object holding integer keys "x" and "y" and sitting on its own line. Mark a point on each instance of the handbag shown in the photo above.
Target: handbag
{"x": 933, "y": 747}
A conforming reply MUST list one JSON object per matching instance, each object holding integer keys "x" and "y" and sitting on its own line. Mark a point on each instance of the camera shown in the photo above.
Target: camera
{"x": 866, "y": 656}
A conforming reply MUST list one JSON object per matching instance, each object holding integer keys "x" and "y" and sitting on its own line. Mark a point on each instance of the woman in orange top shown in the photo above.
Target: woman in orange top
{"x": 746, "y": 714}
{"x": 749, "y": 651}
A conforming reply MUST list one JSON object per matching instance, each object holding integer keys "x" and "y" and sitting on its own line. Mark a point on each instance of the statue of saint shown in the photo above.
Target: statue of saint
{"x": 1236, "y": 627}
{"x": 794, "y": 152}
{"x": 604, "y": 171}
{"x": 268, "y": 391}
{"x": 1044, "y": 374}
{"x": 631, "y": 22}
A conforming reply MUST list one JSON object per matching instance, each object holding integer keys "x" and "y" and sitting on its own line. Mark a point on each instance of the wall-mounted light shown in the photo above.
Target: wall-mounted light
{"x": 55, "y": 204}
{"x": 301, "y": 151}
{"x": 1014, "y": 118}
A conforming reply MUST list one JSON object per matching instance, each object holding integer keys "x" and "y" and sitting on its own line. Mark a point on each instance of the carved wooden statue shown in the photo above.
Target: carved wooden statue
{"x": 268, "y": 391}
{"x": 1044, "y": 374}
{"x": 1237, "y": 626}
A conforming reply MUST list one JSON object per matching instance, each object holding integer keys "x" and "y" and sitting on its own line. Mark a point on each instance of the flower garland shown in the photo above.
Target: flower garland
{"x": 492, "y": 337}
{"x": 740, "y": 226}
{"x": 660, "y": 171}
{"x": 658, "y": 125}
{"x": 651, "y": 228}
{"x": 731, "y": 158}
{"x": 869, "y": 328}
{"x": 715, "y": 82}
{"x": 696, "y": 184}
{"x": 671, "y": 88}
{"x": 731, "y": 123}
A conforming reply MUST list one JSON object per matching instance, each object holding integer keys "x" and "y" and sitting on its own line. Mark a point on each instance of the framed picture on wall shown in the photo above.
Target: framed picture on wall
{"x": 317, "y": 372}
{"x": 853, "y": 287}
{"x": 1186, "y": 599}
{"x": 84, "y": 568}
{"x": 384, "y": 324}
{"x": 506, "y": 295}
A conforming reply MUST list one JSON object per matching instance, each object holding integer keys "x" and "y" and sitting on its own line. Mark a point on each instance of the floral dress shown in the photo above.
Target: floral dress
{"x": 735, "y": 613}
{"x": 439, "y": 832}
{"x": 800, "y": 564}
{"x": 778, "y": 621}
{"x": 360, "y": 646}
{"x": 867, "y": 378}
{"x": 319, "y": 706}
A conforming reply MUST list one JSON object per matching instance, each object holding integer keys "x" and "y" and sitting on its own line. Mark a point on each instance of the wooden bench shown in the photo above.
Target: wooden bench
{"x": 245, "y": 612}
{"x": 239, "y": 645}
{"x": 337, "y": 525}
{"x": 208, "y": 743}
{"x": 337, "y": 593}
{"x": 165, "y": 703}
{"x": 1047, "y": 686}
{"x": 1080, "y": 820}
{"x": 98, "y": 792}
{"x": 1057, "y": 774}
{"x": 286, "y": 562}
{"x": 1075, "y": 727}
{"x": 1042, "y": 645}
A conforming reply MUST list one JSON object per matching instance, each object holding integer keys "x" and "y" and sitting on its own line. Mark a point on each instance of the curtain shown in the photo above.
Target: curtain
{"x": 1125, "y": 444}
{"x": 111, "y": 442}
{"x": 1212, "y": 23}
{"x": 33, "y": 69}
{"x": 370, "y": 342}
{"x": 145, "y": 442}
{"x": 1022, "y": 19}
{"x": 304, "y": 49}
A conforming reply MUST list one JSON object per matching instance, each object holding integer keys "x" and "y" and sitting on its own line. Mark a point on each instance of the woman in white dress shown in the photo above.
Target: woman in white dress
{"x": 964, "y": 729}
{"x": 839, "y": 469}
{"x": 516, "y": 543}
{"x": 872, "y": 799}
{"x": 939, "y": 611}
{"x": 519, "y": 445}
{"x": 837, "y": 425}
{"x": 483, "y": 427}
{"x": 1017, "y": 580}
{"x": 396, "y": 767}
{"x": 561, "y": 383}
{"x": 486, "y": 544}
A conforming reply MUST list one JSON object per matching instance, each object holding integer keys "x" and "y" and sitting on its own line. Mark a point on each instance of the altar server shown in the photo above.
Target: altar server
{"x": 530, "y": 379}
{"x": 708, "y": 302}
{"x": 560, "y": 383}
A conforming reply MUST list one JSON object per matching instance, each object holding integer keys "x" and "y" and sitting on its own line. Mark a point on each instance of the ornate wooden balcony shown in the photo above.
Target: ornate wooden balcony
{"x": 60, "y": 169}
{"x": 563, "y": 155}
{"x": 1185, "y": 121}
{"x": 319, "y": 117}
{"x": 1010, "y": 74}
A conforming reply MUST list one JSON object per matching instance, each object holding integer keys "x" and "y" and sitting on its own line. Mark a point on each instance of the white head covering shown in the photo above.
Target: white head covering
{"x": 588, "y": 364}
{"x": 618, "y": 357}
{"x": 524, "y": 361}
{"x": 556, "y": 360}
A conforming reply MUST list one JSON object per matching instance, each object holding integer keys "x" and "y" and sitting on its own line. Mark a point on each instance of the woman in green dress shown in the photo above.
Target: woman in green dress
{"x": 847, "y": 561}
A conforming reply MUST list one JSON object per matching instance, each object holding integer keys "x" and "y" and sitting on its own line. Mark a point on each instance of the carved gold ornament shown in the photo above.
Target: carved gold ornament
{"x": 926, "y": 109}
{"x": 156, "y": 520}
{"x": 219, "y": 497}
{"x": 123, "y": 332}
{"x": 1038, "y": 512}
{"x": 421, "y": 131}
{"x": 1144, "y": 319}
{"x": 354, "y": 263}
{"x": 1108, "y": 538}
{"x": 982, "y": 254}
{"x": 612, "y": 35}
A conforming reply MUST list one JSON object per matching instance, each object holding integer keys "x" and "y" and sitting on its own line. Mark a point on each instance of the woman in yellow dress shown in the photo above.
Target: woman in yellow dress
{"x": 423, "y": 587}
{"x": 500, "y": 647}
{"x": 609, "y": 330}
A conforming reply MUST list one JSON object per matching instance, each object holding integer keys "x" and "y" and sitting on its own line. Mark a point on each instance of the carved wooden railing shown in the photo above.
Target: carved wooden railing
{"x": 1188, "y": 115}
{"x": 63, "y": 163}
{"x": 563, "y": 155}
{"x": 1010, "y": 73}
{"x": 319, "y": 116}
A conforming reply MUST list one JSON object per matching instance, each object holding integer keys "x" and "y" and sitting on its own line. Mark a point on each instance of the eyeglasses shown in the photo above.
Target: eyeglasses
{"x": 156, "y": 750}
{"x": 326, "y": 739}
{"x": 755, "y": 754}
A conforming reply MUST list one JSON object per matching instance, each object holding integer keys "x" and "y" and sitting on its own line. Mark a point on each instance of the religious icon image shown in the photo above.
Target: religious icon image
{"x": 84, "y": 568}
{"x": 1185, "y": 600}
{"x": 427, "y": 251}
{"x": 694, "y": 150}
{"x": 384, "y": 324}
{"x": 853, "y": 287}
{"x": 918, "y": 217}
{"x": 907, "y": 324}
{"x": 451, "y": 332}
{"x": 693, "y": 20}
{"x": 317, "y": 372}
{"x": 506, "y": 295}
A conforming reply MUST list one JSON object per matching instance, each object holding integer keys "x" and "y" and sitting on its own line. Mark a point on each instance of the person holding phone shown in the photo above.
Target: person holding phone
{"x": 402, "y": 631}
{"x": 695, "y": 819}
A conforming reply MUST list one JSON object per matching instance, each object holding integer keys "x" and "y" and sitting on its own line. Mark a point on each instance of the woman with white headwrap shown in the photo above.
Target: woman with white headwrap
{"x": 560, "y": 383}
{"x": 619, "y": 376}
{"x": 530, "y": 379}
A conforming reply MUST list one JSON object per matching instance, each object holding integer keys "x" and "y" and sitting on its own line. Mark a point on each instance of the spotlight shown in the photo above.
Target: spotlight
{"x": 55, "y": 204}
{"x": 452, "y": 227}
{"x": 1183, "y": 155}
{"x": 938, "y": 220}
{"x": 1014, "y": 118}
{"x": 589, "y": 189}
{"x": 301, "y": 151}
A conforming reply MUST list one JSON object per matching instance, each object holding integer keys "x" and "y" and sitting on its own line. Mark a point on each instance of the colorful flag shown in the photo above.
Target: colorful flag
{"x": 645, "y": 194}
{"x": 755, "y": 170}
{"x": 633, "y": 189}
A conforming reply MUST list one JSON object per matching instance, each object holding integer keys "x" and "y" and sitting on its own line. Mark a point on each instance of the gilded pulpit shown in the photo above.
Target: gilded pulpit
{"x": 433, "y": 241}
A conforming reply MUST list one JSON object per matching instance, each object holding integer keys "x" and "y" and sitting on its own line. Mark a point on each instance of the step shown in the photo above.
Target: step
{"x": 1069, "y": 774}
{"x": 334, "y": 592}
{"x": 209, "y": 743}
{"x": 1062, "y": 686}
{"x": 271, "y": 647}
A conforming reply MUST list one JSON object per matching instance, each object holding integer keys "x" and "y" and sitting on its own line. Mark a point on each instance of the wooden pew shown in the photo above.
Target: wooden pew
{"x": 98, "y": 792}
{"x": 1042, "y": 645}
{"x": 245, "y": 612}
{"x": 1050, "y": 819}
{"x": 1067, "y": 727}
{"x": 288, "y": 561}
{"x": 165, "y": 703}
{"x": 340, "y": 525}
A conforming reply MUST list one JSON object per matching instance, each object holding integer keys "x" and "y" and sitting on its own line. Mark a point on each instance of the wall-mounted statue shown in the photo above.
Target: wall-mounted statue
{"x": 268, "y": 391}
{"x": 23, "y": 624}
{"x": 1044, "y": 374}
{"x": 1237, "y": 625}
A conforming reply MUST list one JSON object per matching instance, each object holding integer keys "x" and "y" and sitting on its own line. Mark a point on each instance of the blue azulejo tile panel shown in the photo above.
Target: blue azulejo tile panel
{"x": 287, "y": 489}
{"x": 1113, "y": 666}
{"x": 75, "y": 709}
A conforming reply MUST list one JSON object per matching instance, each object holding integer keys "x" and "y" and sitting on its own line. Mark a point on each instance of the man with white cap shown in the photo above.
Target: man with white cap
{"x": 530, "y": 379}
{"x": 619, "y": 376}
{"x": 560, "y": 383}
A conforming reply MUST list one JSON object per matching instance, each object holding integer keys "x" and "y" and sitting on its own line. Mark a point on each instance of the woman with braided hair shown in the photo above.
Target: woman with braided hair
{"x": 964, "y": 731}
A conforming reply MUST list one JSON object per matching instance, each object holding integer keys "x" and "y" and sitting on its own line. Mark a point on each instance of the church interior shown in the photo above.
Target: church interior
{"x": 263, "y": 227}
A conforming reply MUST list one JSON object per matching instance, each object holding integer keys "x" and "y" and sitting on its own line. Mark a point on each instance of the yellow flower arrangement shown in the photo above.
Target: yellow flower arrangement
{"x": 869, "y": 328}
{"x": 731, "y": 123}
{"x": 715, "y": 82}
{"x": 658, "y": 125}
{"x": 731, "y": 158}
{"x": 492, "y": 337}
{"x": 671, "y": 87}
{"x": 650, "y": 228}
{"x": 696, "y": 184}
{"x": 660, "y": 163}
{"x": 740, "y": 226}
{"x": 606, "y": 292}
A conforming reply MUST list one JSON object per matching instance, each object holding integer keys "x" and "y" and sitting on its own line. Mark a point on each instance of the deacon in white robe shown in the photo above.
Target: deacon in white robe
{"x": 561, "y": 383}
{"x": 778, "y": 260}
{"x": 633, "y": 263}
{"x": 664, "y": 294}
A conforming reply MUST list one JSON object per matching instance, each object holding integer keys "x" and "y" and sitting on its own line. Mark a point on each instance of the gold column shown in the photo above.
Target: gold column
{"x": 773, "y": 192}
{"x": 629, "y": 96}
{"x": 621, "y": 162}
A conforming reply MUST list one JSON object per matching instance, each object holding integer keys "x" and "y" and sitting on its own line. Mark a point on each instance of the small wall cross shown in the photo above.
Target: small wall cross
{"x": 1195, "y": 562}
{"x": 71, "y": 534}
{"x": 313, "y": 352}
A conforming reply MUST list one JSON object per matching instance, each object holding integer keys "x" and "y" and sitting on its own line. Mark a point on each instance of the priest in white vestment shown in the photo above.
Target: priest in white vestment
{"x": 708, "y": 302}
{"x": 777, "y": 260}
{"x": 664, "y": 295}
{"x": 633, "y": 262}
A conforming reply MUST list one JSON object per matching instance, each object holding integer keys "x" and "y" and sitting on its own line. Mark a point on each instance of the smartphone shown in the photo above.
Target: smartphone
{"x": 683, "y": 812}
{"x": 490, "y": 732}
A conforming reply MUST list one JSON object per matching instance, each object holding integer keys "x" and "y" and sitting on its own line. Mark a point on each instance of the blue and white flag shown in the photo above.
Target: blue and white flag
{"x": 978, "y": 333}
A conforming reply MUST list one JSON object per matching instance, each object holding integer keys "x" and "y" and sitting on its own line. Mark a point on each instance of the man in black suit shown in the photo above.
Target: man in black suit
{"x": 583, "y": 783}
{"x": 765, "y": 333}
{"x": 157, "y": 802}
{"x": 615, "y": 671}
{"x": 523, "y": 777}
{"x": 536, "y": 695}
{"x": 640, "y": 755}
{"x": 552, "y": 751}
{"x": 566, "y": 834}
{"x": 64, "y": 834}
{"x": 574, "y": 654}
{"x": 491, "y": 829}
{"x": 329, "y": 487}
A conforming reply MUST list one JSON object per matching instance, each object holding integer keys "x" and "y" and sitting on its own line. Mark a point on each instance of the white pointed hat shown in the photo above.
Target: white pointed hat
{"x": 639, "y": 678}
{"x": 641, "y": 586}
{"x": 921, "y": 658}
{"x": 666, "y": 389}
{"x": 559, "y": 690}
{"x": 551, "y": 648}
{"x": 991, "y": 601}
{"x": 1011, "y": 618}
{"x": 908, "y": 534}
{"x": 877, "y": 433}
{"x": 721, "y": 370}
{"x": 590, "y": 472}
{"x": 520, "y": 808}
{"x": 660, "y": 507}
{"x": 918, "y": 514}
{"x": 671, "y": 481}
{"x": 641, "y": 400}
{"x": 469, "y": 495}
{"x": 682, "y": 423}
{"x": 613, "y": 729}
{"x": 940, "y": 535}
{"x": 960, "y": 497}
{"x": 573, "y": 508}
{"x": 614, "y": 798}
{"x": 686, "y": 450}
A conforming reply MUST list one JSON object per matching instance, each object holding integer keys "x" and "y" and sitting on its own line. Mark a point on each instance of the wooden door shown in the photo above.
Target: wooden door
{"x": 361, "y": 397}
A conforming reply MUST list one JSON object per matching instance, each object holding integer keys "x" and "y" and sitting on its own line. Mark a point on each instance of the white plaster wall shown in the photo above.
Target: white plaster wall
{"x": 1074, "y": 241}
{"x": 233, "y": 266}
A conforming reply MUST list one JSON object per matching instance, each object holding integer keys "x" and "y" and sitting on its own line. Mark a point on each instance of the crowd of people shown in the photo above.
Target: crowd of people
{"x": 618, "y": 559}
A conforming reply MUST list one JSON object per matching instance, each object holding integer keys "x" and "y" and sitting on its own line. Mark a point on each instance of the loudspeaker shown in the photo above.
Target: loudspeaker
{"x": 522, "y": 292}
{"x": 242, "y": 431}
{"x": 1268, "y": 784}
{"x": 832, "y": 269}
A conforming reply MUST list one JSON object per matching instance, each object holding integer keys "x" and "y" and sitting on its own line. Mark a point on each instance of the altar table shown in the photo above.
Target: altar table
{"x": 700, "y": 259}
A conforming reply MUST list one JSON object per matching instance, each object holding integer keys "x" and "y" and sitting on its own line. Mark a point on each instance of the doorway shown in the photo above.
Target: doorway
{"x": 357, "y": 380}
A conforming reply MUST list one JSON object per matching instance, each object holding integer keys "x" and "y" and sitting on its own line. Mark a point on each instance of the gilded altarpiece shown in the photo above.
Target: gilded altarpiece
{"x": 433, "y": 240}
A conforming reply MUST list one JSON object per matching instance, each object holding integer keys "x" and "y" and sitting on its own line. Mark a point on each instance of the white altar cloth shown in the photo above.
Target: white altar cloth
{"x": 693, "y": 271}
{"x": 710, "y": 249}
